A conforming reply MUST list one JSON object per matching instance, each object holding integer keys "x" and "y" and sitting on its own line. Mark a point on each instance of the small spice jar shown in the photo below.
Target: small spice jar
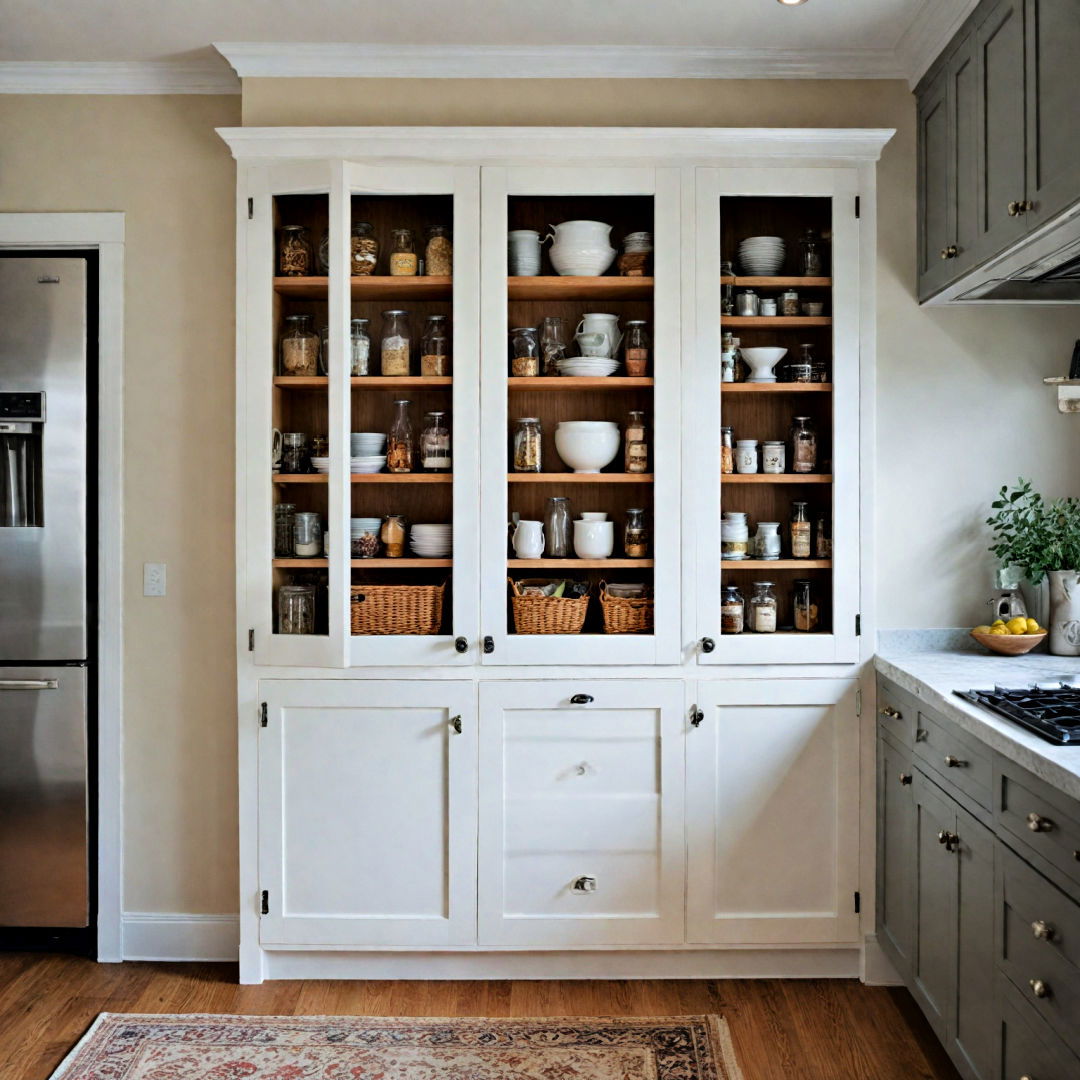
{"x": 635, "y": 447}
{"x": 727, "y": 451}
{"x": 296, "y": 609}
{"x": 364, "y": 254}
{"x": 438, "y": 252}
{"x": 805, "y": 606}
{"x": 307, "y": 535}
{"x": 746, "y": 456}
{"x": 763, "y": 608}
{"x": 789, "y": 302}
{"x": 635, "y": 534}
{"x": 392, "y": 535}
{"x": 734, "y": 536}
{"x": 399, "y": 443}
{"x": 803, "y": 445}
{"x": 557, "y": 518}
{"x": 435, "y": 443}
{"x": 294, "y": 251}
{"x": 295, "y": 455}
{"x": 435, "y": 347}
{"x": 524, "y": 352}
{"x": 299, "y": 346}
{"x": 403, "y": 259}
{"x": 359, "y": 348}
{"x": 822, "y": 539}
{"x": 800, "y": 531}
{"x": 396, "y": 343}
{"x": 773, "y": 457}
{"x": 636, "y": 259}
{"x": 527, "y": 454}
{"x": 283, "y": 530}
{"x": 732, "y": 610}
{"x": 636, "y": 348}
{"x": 768, "y": 306}
{"x": 767, "y": 541}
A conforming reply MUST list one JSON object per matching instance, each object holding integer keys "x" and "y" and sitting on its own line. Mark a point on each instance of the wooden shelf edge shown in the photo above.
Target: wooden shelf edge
{"x": 301, "y": 564}
{"x": 775, "y": 478}
{"x": 776, "y": 388}
{"x": 778, "y": 282}
{"x": 300, "y": 478}
{"x": 302, "y": 382}
{"x": 778, "y": 322}
{"x": 579, "y": 382}
{"x": 399, "y": 382}
{"x": 775, "y": 564}
{"x": 399, "y": 564}
{"x": 579, "y": 478}
{"x": 374, "y": 287}
{"x": 579, "y": 564}
{"x": 556, "y": 287}
{"x": 402, "y": 478}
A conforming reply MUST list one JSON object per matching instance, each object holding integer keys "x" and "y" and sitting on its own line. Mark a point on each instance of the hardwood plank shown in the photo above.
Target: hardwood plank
{"x": 579, "y": 288}
{"x": 763, "y": 322}
{"x": 374, "y": 287}
{"x": 579, "y": 564}
{"x": 402, "y": 478}
{"x": 777, "y": 282}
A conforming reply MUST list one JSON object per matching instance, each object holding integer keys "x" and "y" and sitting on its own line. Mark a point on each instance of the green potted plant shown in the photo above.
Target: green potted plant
{"x": 1042, "y": 538}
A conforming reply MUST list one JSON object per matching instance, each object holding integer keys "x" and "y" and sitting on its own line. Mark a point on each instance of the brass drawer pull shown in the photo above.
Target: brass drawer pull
{"x": 1042, "y": 930}
{"x": 1037, "y": 823}
{"x": 955, "y": 762}
{"x": 949, "y": 839}
{"x": 1039, "y": 988}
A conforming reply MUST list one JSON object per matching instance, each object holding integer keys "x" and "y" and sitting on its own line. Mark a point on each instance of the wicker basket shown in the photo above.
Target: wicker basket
{"x": 397, "y": 609}
{"x": 547, "y": 614}
{"x": 623, "y": 615}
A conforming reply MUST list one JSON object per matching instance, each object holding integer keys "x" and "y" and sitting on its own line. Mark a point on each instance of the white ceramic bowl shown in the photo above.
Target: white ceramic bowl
{"x": 587, "y": 445}
{"x": 594, "y": 539}
{"x": 762, "y": 361}
{"x": 593, "y": 515}
{"x": 581, "y": 261}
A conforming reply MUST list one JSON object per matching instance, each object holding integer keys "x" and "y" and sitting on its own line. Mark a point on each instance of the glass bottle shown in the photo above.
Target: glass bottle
{"x": 636, "y": 449}
{"x": 636, "y": 348}
{"x": 403, "y": 260}
{"x": 805, "y": 606}
{"x": 324, "y": 351}
{"x": 810, "y": 254}
{"x": 803, "y": 445}
{"x": 364, "y": 249}
{"x": 438, "y": 252}
{"x": 322, "y": 263}
{"x": 800, "y": 531}
{"x": 392, "y": 534}
{"x": 435, "y": 443}
{"x": 396, "y": 343}
{"x": 295, "y": 456}
{"x": 527, "y": 449}
{"x": 763, "y": 608}
{"x": 767, "y": 540}
{"x": 635, "y": 534}
{"x": 732, "y": 610}
{"x": 307, "y": 535}
{"x": 294, "y": 251}
{"x": 524, "y": 352}
{"x": 552, "y": 343}
{"x": 802, "y": 370}
{"x": 727, "y": 450}
{"x": 557, "y": 527}
{"x": 822, "y": 539}
{"x": 727, "y": 289}
{"x": 296, "y": 609}
{"x": 299, "y": 347}
{"x": 399, "y": 443}
{"x": 359, "y": 348}
{"x": 435, "y": 347}
{"x": 283, "y": 530}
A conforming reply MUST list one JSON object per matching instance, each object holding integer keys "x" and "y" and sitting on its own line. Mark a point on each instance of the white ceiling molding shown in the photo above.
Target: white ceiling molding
{"x": 116, "y": 77}
{"x": 928, "y": 34}
{"x": 354, "y": 61}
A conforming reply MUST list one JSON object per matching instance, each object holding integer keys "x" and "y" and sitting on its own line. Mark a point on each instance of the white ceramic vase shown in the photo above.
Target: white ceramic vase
{"x": 529, "y": 540}
{"x": 1064, "y": 612}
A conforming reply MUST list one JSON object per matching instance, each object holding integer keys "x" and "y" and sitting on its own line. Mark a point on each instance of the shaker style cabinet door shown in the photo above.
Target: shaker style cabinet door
{"x": 937, "y": 187}
{"x": 895, "y": 854}
{"x": 772, "y": 774}
{"x": 367, "y": 813}
{"x": 581, "y": 822}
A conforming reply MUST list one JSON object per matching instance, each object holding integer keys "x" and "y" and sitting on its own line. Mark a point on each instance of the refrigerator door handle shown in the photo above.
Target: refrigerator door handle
{"x": 29, "y": 684}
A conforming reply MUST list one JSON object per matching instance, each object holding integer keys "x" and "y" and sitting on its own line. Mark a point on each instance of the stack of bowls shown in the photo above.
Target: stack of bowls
{"x": 372, "y": 464}
{"x": 762, "y": 256}
{"x": 358, "y": 526}
{"x": 587, "y": 365}
{"x": 431, "y": 541}
{"x": 367, "y": 443}
{"x": 320, "y": 464}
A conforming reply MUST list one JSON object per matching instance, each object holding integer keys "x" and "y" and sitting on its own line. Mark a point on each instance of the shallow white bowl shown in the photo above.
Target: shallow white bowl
{"x": 587, "y": 446}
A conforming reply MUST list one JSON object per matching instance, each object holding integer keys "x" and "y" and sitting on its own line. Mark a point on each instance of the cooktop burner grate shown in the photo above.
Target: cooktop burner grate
{"x": 1051, "y": 710}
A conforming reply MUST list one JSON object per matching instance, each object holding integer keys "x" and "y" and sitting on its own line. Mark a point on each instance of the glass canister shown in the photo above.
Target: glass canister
{"x": 746, "y": 456}
{"x": 803, "y": 445}
{"x": 805, "y": 606}
{"x": 552, "y": 343}
{"x": 734, "y": 536}
{"x": 773, "y": 457}
{"x": 800, "y": 531}
{"x": 392, "y": 534}
{"x": 435, "y": 443}
{"x": 283, "y": 530}
{"x": 524, "y": 352}
{"x": 636, "y": 348}
{"x": 399, "y": 443}
{"x": 727, "y": 451}
{"x": 732, "y": 610}
{"x": 294, "y": 251}
{"x": 322, "y": 263}
{"x": 810, "y": 254}
{"x": 396, "y": 343}
{"x": 557, "y": 519}
{"x": 403, "y": 258}
{"x": 527, "y": 444}
{"x": 295, "y": 455}
{"x": 324, "y": 351}
{"x": 364, "y": 249}
{"x": 635, "y": 534}
{"x": 359, "y": 348}
{"x": 767, "y": 541}
{"x": 822, "y": 536}
{"x": 307, "y": 535}
{"x": 802, "y": 370}
{"x": 435, "y": 347}
{"x": 299, "y": 346}
{"x": 789, "y": 302}
{"x": 296, "y": 609}
{"x": 763, "y": 608}
{"x": 635, "y": 446}
{"x": 727, "y": 289}
{"x": 438, "y": 252}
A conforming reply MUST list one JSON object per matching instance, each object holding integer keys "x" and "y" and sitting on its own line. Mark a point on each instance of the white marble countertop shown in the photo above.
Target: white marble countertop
{"x": 932, "y": 667}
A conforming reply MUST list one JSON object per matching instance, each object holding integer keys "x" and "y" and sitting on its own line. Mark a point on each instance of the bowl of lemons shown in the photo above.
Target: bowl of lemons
{"x": 1012, "y": 638}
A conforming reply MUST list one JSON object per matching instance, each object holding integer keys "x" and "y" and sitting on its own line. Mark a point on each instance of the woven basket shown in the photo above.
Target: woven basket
{"x": 623, "y": 615}
{"x": 547, "y": 614}
{"x": 397, "y": 609}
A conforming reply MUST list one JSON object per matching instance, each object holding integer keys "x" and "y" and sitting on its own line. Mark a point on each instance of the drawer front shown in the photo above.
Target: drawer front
{"x": 898, "y": 712}
{"x": 961, "y": 763}
{"x": 1028, "y": 1048}
{"x": 1039, "y": 819}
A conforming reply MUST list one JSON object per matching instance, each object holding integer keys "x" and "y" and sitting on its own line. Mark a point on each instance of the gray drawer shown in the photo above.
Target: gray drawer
{"x": 898, "y": 712}
{"x": 1039, "y": 944}
{"x": 1028, "y": 1048}
{"x": 961, "y": 762}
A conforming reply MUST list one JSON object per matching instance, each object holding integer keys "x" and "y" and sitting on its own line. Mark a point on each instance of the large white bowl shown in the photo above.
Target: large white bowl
{"x": 762, "y": 360}
{"x": 587, "y": 445}
{"x": 581, "y": 262}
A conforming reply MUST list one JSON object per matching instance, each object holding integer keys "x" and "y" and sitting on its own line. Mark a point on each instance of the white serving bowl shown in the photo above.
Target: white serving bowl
{"x": 593, "y": 515}
{"x": 587, "y": 445}
{"x": 581, "y": 261}
{"x": 762, "y": 360}
{"x": 594, "y": 539}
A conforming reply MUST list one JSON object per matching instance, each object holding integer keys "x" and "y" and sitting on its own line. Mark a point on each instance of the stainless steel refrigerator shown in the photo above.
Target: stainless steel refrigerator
{"x": 45, "y": 593}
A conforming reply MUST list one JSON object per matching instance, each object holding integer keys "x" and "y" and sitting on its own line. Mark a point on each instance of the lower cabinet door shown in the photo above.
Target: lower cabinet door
{"x": 367, "y": 813}
{"x": 895, "y": 854}
{"x": 581, "y": 813}
{"x": 772, "y": 774}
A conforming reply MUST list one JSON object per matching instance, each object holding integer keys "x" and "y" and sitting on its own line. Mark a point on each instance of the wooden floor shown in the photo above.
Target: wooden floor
{"x": 789, "y": 1030}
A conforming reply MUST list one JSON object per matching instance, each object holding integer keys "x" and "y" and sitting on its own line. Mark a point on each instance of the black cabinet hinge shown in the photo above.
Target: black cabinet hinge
{"x": 264, "y": 907}
{"x": 251, "y": 640}
{"x": 263, "y": 721}
{"x": 858, "y": 626}
{"x": 858, "y": 205}
{"x": 251, "y": 209}
{"x": 858, "y": 902}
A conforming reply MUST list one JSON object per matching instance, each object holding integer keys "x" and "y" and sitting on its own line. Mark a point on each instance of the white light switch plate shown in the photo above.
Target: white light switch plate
{"x": 153, "y": 579}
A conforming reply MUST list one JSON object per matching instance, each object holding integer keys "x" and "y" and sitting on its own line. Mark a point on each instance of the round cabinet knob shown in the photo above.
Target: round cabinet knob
{"x": 954, "y": 762}
{"x": 942, "y": 837}
{"x": 582, "y": 769}
{"x": 891, "y": 713}
{"x": 707, "y": 644}
{"x": 1039, "y": 988}
{"x": 1037, "y": 823}
{"x": 905, "y": 778}
{"x": 581, "y": 699}
{"x": 461, "y": 644}
{"x": 1042, "y": 930}
{"x": 1013, "y": 209}
{"x": 950, "y": 252}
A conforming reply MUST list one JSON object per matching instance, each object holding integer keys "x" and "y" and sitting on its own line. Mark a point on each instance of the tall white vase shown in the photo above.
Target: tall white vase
{"x": 1065, "y": 612}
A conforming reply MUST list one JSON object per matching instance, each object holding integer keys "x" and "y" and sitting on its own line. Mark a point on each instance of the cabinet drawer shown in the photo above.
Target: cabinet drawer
{"x": 1042, "y": 821}
{"x": 898, "y": 712}
{"x": 1028, "y": 1047}
{"x": 960, "y": 762}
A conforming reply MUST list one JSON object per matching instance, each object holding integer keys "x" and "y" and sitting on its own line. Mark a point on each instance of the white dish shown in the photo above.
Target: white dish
{"x": 594, "y": 539}
{"x": 587, "y": 446}
{"x": 762, "y": 360}
{"x": 373, "y": 467}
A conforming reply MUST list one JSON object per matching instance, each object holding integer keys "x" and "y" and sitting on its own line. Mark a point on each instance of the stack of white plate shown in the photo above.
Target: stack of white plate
{"x": 762, "y": 256}
{"x": 358, "y": 526}
{"x": 372, "y": 464}
{"x": 320, "y": 464}
{"x": 431, "y": 541}
{"x": 588, "y": 366}
{"x": 367, "y": 443}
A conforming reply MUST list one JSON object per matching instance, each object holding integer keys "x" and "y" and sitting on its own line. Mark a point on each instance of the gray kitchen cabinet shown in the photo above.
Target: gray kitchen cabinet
{"x": 936, "y": 188}
{"x": 896, "y": 853}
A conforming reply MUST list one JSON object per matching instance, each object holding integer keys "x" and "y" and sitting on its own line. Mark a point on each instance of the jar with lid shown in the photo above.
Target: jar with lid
{"x": 294, "y": 251}
{"x": 524, "y": 352}
{"x": 557, "y": 527}
{"x": 805, "y": 606}
{"x": 296, "y": 609}
{"x": 763, "y": 608}
{"x": 527, "y": 455}
{"x": 392, "y": 534}
{"x": 435, "y": 347}
{"x": 438, "y": 252}
{"x": 635, "y": 534}
{"x": 734, "y": 536}
{"x": 727, "y": 289}
{"x": 435, "y": 443}
{"x": 746, "y": 456}
{"x": 727, "y": 451}
{"x": 802, "y": 370}
{"x": 396, "y": 343}
{"x": 299, "y": 346}
{"x": 322, "y": 262}
{"x": 399, "y": 442}
{"x": 767, "y": 541}
{"x": 747, "y": 303}
{"x": 822, "y": 538}
{"x": 403, "y": 259}
{"x": 729, "y": 357}
{"x": 803, "y": 445}
{"x": 800, "y": 531}
{"x": 635, "y": 446}
{"x": 636, "y": 348}
{"x": 789, "y": 302}
{"x": 810, "y": 254}
{"x": 324, "y": 351}
{"x": 773, "y": 457}
{"x": 732, "y": 610}
{"x": 359, "y": 348}
{"x": 552, "y": 343}
{"x": 307, "y": 535}
{"x": 295, "y": 455}
{"x": 364, "y": 249}
{"x": 283, "y": 530}
{"x": 768, "y": 306}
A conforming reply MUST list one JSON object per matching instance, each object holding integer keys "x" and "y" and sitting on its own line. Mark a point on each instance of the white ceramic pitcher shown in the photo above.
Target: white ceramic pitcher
{"x": 529, "y": 540}
{"x": 581, "y": 248}
{"x": 608, "y": 325}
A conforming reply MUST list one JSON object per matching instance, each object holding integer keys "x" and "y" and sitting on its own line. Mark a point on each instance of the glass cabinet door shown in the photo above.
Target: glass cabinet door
{"x": 579, "y": 448}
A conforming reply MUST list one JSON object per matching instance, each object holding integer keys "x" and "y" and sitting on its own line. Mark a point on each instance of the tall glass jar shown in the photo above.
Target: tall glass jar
{"x": 810, "y": 254}
{"x": 727, "y": 288}
{"x": 295, "y": 453}
{"x": 822, "y": 536}
{"x": 438, "y": 252}
{"x": 635, "y": 444}
{"x": 557, "y": 527}
{"x": 396, "y": 343}
{"x": 727, "y": 450}
{"x": 399, "y": 443}
{"x": 732, "y": 610}
{"x": 393, "y": 532}
{"x": 805, "y": 606}
{"x": 324, "y": 351}
{"x": 359, "y": 348}
{"x": 763, "y": 608}
{"x": 296, "y": 609}
{"x": 635, "y": 534}
{"x": 364, "y": 253}
{"x": 527, "y": 449}
{"x": 552, "y": 343}
{"x": 435, "y": 347}
{"x": 636, "y": 348}
{"x": 299, "y": 346}
{"x": 729, "y": 357}
{"x": 403, "y": 259}
{"x": 294, "y": 251}
{"x": 803, "y": 445}
{"x": 524, "y": 352}
{"x": 283, "y": 530}
{"x": 322, "y": 261}
{"x": 435, "y": 443}
{"x": 307, "y": 535}
{"x": 800, "y": 531}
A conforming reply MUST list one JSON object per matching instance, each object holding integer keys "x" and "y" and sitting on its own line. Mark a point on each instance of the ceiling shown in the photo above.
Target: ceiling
{"x": 853, "y": 38}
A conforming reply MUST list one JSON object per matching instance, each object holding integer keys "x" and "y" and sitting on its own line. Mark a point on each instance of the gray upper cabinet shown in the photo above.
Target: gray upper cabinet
{"x": 936, "y": 188}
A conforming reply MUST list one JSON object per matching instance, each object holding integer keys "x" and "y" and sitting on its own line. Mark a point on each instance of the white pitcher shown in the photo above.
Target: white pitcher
{"x": 581, "y": 248}
{"x": 608, "y": 325}
{"x": 529, "y": 540}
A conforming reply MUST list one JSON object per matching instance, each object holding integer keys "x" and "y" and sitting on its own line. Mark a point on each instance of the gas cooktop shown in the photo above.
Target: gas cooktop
{"x": 1050, "y": 709}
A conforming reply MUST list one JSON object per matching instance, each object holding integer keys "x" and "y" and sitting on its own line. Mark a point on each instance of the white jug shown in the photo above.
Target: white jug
{"x": 581, "y": 248}
{"x": 529, "y": 540}
{"x": 608, "y": 325}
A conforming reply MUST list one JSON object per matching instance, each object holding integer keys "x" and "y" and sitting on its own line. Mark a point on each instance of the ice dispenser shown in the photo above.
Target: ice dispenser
{"x": 22, "y": 430}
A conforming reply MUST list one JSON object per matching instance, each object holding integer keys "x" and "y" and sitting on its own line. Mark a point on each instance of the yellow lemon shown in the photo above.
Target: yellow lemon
{"x": 1033, "y": 627}
{"x": 998, "y": 622}
{"x": 998, "y": 630}
{"x": 1017, "y": 626}
{"x": 981, "y": 630}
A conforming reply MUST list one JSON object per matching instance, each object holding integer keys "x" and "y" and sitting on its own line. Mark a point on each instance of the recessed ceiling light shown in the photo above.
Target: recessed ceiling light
{"x": 792, "y": 3}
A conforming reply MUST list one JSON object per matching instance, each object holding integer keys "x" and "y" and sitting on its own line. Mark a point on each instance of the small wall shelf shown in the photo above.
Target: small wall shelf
{"x": 1068, "y": 394}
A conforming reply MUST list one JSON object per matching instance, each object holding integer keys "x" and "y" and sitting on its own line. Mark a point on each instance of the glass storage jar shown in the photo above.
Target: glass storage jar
{"x": 767, "y": 541}
{"x": 307, "y": 535}
{"x": 727, "y": 288}
{"x": 803, "y": 445}
{"x": 635, "y": 534}
{"x": 524, "y": 352}
{"x": 322, "y": 263}
{"x": 727, "y": 451}
{"x": 396, "y": 343}
{"x": 763, "y": 608}
{"x": 294, "y": 251}
{"x": 283, "y": 530}
{"x": 800, "y": 531}
{"x": 805, "y": 606}
{"x": 435, "y": 443}
{"x": 732, "y": 610}
{"x": 557, "y": 519}
{"x": 802, "y": 370}
{"x": 636, "y": 348}
{"x": 324, "y": 351}
{"x": 734, "y": 536}
{"x": 435, "y": 347}
{"x": 552, "y": 343}
{"x": 746, "y": 456}
{"x": 635, "y": 446}
{"x": 822, "y": 537}
{"x": 527, "y": 449}
{"x": 296, "y": 609}
{"x": 359, "y": 348}
{"x": 403, "y": 258}
{"x": 392, "y": 534}
{"x": 399, "y": 443}
{"x": 295, "y": 455}
{"x": 810, "y": 254}
{"x": 773, "y": 457}
{"x": 364, "y": 249}
{"x": 438, "y": 252}
{"x": 299, "y": 346}
{"x": 789, "y": 302}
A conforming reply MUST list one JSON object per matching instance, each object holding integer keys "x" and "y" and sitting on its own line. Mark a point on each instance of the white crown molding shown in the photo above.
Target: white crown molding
{"x": 354, "y": 61}
{"x": 928, "y": 33}
{"x": 116, "y": 77}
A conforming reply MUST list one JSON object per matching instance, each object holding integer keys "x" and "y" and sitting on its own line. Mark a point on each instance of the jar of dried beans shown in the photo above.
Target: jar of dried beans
{"x": 396, "y": 344}
{"x": 805, "y": 605}
{"x": 800, "y": 531}
{"x": 527, "y": 456}
{"x": 403, "y": 260}
{"x": 435, "y": 347}
{"x": 294, "y": 251}
{"x": 438, "y": 252}
{"x": 635, "y": 534}
{"x": 296, "y": 609}
{"x": 364, "y": 247}
{"x": 727, "y": 451}
{"x": 636, "y": 447}
{"x": 399, "y": 443}
{"x": 803, "y": 445}
{"x": 732, "y": 610}
{"x": 636, "y": 348}
{"x": 525, "y": 352}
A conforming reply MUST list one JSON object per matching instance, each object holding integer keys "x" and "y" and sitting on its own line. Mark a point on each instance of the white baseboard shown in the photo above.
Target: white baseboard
{"x": 151, "y": 935}
{"x": 878, "y": 969}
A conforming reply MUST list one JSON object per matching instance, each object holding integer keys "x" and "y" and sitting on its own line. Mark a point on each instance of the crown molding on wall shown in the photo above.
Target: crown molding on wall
{"x": 116, "y": 77}
{"x": 929, "y": 33}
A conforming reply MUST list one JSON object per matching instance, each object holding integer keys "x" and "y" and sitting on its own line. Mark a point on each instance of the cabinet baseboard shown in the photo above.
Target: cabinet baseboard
{"x": 155, "y": 935}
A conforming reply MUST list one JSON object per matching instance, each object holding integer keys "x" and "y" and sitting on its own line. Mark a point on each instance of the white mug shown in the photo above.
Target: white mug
{"x": 608, "y": 325}
{"x": 275, "y": 450}
{"x": 523, "y": 252}
{"x": 529, "y": 540}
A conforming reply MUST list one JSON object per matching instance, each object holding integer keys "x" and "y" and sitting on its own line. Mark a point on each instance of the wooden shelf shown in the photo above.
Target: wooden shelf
{"x": 776, "y": 322}
{"x": 776, "y": 478}
{"x": 776, "y": 388}
{"x": 402, "y": 478}
{"x": 301, "y": 564}
{"x": 301, "y": 382}
{"x": 399, "y": 564}
{"x": 368, "y": 288}
{"x": 400, "y": 382}
{"x": 579, "y": 288}
{"x": 778, "y": 282}
{"x": 579, "y": 382}
{"x": 300, "y": 478}
{"x": 578, "y": 478}
{"x": 579, "y": 564}
{"x": 775, "y": 564}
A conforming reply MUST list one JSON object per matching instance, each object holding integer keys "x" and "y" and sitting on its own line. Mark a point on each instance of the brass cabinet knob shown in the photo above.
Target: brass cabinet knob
{"x": 1039, "y": 988}
{"x": 950, "y": 252}
{"x": 1042, "y": 930}
{"x": 1037, "y": 823}
{"x": 1013, "y": 208}
{"x": 954, "y": 762}
{"x": 905, "y": 778}
{"x": 949, "y": 839}
{"x": 1026, "y": 205}
{"x": 707, "y": 644}
{"x": 891, "y": 713}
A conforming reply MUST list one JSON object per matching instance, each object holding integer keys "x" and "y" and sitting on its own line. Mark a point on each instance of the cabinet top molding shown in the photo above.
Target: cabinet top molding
{"x": 557, "y": 145}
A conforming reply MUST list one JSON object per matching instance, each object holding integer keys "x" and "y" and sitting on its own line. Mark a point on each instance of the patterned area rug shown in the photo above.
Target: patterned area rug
{"x": 197, "y": 1047}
